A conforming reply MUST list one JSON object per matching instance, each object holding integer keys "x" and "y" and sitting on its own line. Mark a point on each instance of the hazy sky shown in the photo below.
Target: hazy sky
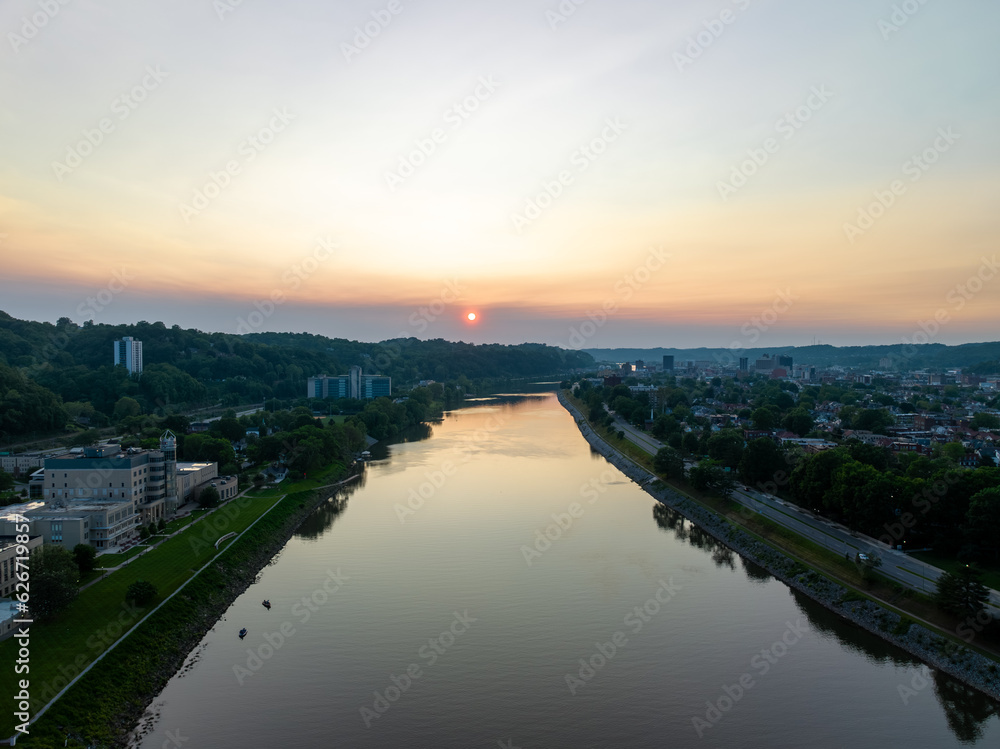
{"x": 583, "y": 173}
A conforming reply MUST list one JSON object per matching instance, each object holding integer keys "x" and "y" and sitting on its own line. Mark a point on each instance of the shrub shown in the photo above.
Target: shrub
{"x": 141, "y": 591}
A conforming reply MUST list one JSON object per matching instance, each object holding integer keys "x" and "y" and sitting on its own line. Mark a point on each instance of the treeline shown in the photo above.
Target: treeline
{"x": 69, "y": 373}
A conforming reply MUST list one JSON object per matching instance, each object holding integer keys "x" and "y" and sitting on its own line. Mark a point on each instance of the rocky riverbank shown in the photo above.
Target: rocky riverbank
{"x": 948, "y": 657}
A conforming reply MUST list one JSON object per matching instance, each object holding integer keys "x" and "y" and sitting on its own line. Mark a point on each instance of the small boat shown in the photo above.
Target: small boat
{"x": 243, "y": 633}
{"x": 266, "y": 604}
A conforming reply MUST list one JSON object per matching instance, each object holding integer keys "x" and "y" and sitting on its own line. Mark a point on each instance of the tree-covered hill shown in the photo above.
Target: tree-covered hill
{"x": 900, "y": 356}
{"x": 185, "y": 367}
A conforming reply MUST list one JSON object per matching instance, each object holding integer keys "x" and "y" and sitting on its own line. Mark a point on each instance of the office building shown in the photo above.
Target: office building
{"x": 352, "y": 385}
{"x": 668, "y": 364}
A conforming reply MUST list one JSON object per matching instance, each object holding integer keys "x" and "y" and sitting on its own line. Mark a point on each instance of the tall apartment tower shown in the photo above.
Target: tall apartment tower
{"x": 668, "y": 364}
{"x": 128, "y": 353}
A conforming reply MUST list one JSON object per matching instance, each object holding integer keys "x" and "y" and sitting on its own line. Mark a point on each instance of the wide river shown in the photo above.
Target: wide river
{"x": 496, "y": 583}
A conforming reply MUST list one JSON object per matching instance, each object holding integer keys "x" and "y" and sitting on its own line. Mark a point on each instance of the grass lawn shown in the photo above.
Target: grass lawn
{"x": 991, "y": 572}
{"x": 99, "y": 614}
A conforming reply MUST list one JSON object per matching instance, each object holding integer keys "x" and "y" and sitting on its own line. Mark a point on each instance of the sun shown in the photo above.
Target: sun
{"x": 472, "y": 316}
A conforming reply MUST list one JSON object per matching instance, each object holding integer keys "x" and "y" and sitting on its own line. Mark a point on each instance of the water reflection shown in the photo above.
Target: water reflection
{"x": 323, "y": 517}
{"x": 684, "y": 530}
{"x": 755, "y": 573}
{"x": 850, "y": 635}
{"x": 967, "y": 710}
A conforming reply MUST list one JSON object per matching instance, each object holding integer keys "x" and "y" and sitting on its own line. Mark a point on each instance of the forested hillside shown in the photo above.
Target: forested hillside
{"x": 47, "y": 364}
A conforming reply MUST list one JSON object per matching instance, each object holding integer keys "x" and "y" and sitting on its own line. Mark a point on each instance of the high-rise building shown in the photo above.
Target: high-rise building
{"x": 765, "y": 364}
{"x": 785, "y": 361}
{"x": 353, "y": 385}
{"x": 128, "y": 353}
{"x": 668, "y": 364}
{"x": 744, "y": 363}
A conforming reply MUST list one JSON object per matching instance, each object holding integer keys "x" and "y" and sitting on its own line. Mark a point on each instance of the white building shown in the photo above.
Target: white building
{"x": 128, "y": 353}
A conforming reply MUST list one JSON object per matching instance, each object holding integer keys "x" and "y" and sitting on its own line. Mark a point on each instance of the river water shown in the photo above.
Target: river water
{"x": 494, "y": 582}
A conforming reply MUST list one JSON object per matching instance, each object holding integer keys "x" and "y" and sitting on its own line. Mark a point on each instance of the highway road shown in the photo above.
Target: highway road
{"x": 902, "y": 568}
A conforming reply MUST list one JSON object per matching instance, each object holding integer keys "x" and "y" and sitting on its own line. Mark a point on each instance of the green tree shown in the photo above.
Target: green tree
{"x": 709, "y": 476}
{"x": 143, "y": 533}
{"x": 953, "y": 451}
{"x": 142, "y": 592}
{"x": 763, "y": 418}
{"x": 6, "y": 481}
{"x": 54, "y": 576}
{"x": 668, "y": 462}
{"x": 208, "y": 497}
{"x": 726, "y": 447}
{"x": 962, "y": 593}
{"x": 798, "y": 421}
{"x": 202, "y": 447}
{"x": 85, "y": 557}
{"x": 813, "y": 477}
{"x": 874, "y": 419}
{"x": 229, "y": 427}
{"x": 983, "y": 420}
{"x": 161, "y": 525}
{"x": 126, "y": 407}
{"x": 762, "y": 460}
{"x": 983, "y": 520}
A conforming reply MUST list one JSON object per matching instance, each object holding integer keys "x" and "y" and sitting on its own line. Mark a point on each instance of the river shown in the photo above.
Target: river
{"x": 494, "y": 582}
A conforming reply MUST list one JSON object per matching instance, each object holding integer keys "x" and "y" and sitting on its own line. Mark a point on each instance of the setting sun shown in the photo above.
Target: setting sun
{"x": 471, "y": 316}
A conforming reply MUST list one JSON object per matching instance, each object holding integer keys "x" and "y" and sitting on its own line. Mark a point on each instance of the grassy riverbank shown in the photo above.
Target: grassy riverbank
{"x": 107, "y": 701}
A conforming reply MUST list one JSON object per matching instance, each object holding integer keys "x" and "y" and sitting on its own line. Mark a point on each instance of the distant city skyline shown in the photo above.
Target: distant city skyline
{"x": 588, "y": 175}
